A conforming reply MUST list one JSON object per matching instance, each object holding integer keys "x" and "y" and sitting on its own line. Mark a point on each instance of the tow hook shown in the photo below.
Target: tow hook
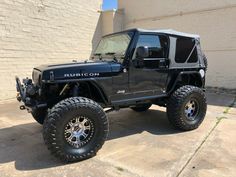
{"x": 22, "y": 107}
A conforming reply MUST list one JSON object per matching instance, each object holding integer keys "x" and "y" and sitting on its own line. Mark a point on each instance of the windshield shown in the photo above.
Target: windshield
{"x": 114, "y": 45}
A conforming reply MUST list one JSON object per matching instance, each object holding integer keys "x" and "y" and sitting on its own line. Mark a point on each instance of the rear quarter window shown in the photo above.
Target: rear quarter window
{"x": 185, "y": 47}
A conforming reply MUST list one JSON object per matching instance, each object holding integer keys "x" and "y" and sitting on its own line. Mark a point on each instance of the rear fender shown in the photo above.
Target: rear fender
{"x": 185, "y": 78}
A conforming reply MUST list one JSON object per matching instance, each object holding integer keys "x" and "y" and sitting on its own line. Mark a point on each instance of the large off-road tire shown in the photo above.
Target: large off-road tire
{"x": 39, "y": 115}
{"x": 141, "y": 108}
{"x": 75, "y": 129}
{"x": 186, "y": 108}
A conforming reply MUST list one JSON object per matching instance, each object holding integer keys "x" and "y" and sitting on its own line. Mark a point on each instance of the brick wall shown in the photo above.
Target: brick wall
{"x": 34, "y": 32}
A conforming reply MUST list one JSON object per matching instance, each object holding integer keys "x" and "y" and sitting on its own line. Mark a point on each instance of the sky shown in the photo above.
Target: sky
{"x": 109, "y": 4}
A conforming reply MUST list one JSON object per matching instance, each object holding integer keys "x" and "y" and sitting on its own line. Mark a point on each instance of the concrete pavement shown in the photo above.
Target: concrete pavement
{"x": 139, "y": 144}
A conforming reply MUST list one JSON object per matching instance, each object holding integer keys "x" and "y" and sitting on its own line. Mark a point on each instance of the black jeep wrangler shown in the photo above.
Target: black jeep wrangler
{"x": 130, "y": 69}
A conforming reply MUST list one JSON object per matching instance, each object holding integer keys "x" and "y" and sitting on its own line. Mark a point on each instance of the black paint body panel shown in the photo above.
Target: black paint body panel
{"x": 121, "y": 81}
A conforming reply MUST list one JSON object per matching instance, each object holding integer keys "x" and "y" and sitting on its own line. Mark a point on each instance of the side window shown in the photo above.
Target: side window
{"x": 184, "y": 47}
{"x": 157, "y": 45}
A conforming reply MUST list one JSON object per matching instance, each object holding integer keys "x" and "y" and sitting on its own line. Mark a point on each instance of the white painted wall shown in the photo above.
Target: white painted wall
{"x": 112, "y": 21}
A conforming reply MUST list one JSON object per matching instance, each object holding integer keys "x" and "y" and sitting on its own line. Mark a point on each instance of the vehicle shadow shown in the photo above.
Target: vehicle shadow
{"x": 127, "y": 122}
{"x": 23, "y": 143}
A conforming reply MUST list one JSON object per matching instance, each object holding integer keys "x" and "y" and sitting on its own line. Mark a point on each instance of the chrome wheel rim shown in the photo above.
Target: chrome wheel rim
{"x": 79, "y": 131}
{"x": 191, "y": 109}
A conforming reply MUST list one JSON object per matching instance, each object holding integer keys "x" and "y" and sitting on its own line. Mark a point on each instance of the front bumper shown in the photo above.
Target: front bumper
{"x": 26, "y": 92}
{"x": 21, "y": 95}
{"x": 20, "y": 90}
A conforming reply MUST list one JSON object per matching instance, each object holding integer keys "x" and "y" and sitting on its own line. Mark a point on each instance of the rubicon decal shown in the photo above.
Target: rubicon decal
{"x": 81, "y": 75}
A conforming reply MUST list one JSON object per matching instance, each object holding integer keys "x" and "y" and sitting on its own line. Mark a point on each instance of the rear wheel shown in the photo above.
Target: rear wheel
{"x": 187, "y": 107}
{"x": 141, "y": 108}
{"x": 39, "y": 115}
{"x": 75, "y": 129}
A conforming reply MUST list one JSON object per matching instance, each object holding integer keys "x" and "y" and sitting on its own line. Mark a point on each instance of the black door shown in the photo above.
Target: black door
{"x": 150, "y": 78}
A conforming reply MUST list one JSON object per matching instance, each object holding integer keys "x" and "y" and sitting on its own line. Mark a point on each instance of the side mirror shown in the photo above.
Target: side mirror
{"x": 142, "y": 52}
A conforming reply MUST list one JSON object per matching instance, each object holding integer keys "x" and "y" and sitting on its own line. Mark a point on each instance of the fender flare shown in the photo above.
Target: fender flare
{"x": 100, "y": 90}
{"x": 180, "y": 74}
{"x": 92, "y": 81}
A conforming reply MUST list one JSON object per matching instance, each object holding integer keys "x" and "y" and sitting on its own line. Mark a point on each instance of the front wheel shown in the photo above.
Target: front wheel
{"x": 187, "y": 107}
{"x": 75, "y": 129}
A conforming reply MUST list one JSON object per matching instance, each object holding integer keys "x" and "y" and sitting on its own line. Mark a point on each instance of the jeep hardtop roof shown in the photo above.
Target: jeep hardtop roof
{"x": 164, "y": 31}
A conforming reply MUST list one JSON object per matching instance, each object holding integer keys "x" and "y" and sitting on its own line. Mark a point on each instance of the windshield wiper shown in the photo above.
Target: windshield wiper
{"x": 113, "y": 54}
{"x": 99, "y": 55}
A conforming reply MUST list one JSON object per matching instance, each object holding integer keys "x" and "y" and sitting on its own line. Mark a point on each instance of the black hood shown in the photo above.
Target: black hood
{"x": 60, "y": 72}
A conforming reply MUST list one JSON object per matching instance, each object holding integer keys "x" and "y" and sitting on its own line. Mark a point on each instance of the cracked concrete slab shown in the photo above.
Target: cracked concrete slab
{"x": 217, "y": 157}
{"x": 139, "y": 144}
{"x": 232, "y": 111}
{"x": 153, "y": 147}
